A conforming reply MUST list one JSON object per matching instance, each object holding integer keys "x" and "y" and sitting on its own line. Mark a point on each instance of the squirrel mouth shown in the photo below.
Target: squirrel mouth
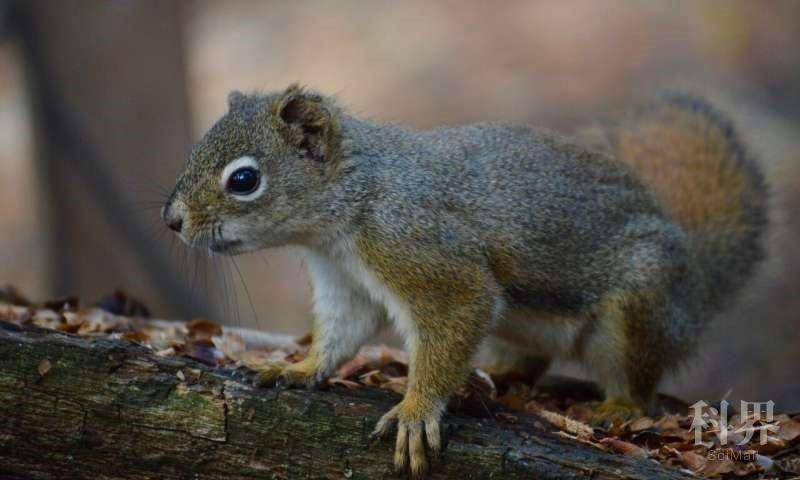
{"x": 224, "y": 245}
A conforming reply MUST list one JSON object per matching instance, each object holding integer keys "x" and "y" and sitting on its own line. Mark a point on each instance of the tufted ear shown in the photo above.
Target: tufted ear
{"x": 235, "y": 99}
{"x": 310, "y": 123}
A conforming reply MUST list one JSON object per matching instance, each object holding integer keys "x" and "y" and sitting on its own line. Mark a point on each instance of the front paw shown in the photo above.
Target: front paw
{"x": 300, "y": 374}
{"x": 415, "y": 424}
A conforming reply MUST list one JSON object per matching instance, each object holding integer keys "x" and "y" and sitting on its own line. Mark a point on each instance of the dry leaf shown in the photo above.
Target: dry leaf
{"x": 373, "y": 378}
{"x": 566, "y": 424}
{"x": 772, "y": 445}
{"x": 355, "y": 367}
{"x": 693, "y": 461}
{"x": 46, "y": 318}
{"x": 201, "y": 328}
{"x": 396, "y": 384}
{"x": 44, "y": 367}
{"x": 789, "y": 430}
{"x": 718, "y": 467}
{"x": 625, "y": 448}
{"x": 138, "y": 337}
{"x": 667, "y": 423}
{"x": 580, "y": 412}
{"x": 640, "y": 424}
{"x": 349, "y": 384}
{"x": 167, "y": 352}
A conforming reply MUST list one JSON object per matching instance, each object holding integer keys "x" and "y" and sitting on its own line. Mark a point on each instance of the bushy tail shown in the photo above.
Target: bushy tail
{"x": 690, "y": 155}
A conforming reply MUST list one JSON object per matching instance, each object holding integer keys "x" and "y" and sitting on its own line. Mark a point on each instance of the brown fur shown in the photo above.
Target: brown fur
{"x": 686, "y": 160}
{"x": 690, "y": 156}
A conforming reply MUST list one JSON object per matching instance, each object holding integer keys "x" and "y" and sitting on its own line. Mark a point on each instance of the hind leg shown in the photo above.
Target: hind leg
{"x": 506, "y": 362}
{"x": 633, "y": 345}
{"x": 640, "y": 327}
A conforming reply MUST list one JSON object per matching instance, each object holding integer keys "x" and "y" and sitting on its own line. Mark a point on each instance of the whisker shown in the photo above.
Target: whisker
{"x": 224, "y": 292}
{"x": 234, "y": 294}
{"x": 246, "y": 291}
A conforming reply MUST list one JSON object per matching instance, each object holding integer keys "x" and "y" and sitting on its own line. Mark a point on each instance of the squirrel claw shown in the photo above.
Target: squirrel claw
{"x": 417, "y": 440}
{"x": 385, "y": 424}
{"x": 281, "y": 375}
{"x": 267, "y": 374}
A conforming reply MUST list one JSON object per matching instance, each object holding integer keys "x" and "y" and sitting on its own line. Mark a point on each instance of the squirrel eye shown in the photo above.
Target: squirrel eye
{"x": 242, "y": 178}
{"x": 243, "y": 181}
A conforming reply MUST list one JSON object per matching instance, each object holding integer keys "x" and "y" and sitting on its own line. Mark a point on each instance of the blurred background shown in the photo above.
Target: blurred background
{"x": 100, "y": 101}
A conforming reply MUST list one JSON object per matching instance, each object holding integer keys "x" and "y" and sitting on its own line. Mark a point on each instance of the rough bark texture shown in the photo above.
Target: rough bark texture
{"x": 76, "y": 408}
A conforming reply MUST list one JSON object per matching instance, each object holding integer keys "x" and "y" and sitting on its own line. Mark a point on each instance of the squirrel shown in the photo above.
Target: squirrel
{"x": 496, "y": 241}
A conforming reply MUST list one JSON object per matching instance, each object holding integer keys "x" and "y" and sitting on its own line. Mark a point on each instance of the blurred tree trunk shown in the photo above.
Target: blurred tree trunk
{"x": 112, "y": 129}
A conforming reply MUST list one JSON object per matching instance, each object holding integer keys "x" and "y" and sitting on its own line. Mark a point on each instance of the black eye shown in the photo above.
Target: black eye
{"x": 243, "y": 181}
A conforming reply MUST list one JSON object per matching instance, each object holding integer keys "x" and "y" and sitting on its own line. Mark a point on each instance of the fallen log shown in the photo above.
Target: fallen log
{"x": 73, "y": 407}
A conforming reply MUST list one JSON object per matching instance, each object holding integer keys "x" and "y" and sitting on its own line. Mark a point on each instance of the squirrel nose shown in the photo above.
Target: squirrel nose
{"x": 176, "y": 225}
{"x": 173, "y": 218}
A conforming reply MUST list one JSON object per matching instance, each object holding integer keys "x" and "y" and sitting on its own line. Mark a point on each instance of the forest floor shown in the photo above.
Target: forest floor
{"x": 708, "y": 441}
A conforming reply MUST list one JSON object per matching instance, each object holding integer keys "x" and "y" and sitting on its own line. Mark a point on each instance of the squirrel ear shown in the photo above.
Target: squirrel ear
{"x": 311, "y": 125}
{"x": 235, "y": 99}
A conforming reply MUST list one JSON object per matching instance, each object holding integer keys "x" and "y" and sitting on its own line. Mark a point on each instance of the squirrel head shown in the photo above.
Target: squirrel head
{"x": 264, "y": 175}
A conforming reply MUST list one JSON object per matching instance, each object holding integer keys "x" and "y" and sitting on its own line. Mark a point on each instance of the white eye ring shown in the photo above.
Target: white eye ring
{"x": 234, "y": 165}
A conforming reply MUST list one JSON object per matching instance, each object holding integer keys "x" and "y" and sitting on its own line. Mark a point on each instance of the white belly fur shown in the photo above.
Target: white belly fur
{"x": 343, "y": 257}
{"x": 541, "y": 334}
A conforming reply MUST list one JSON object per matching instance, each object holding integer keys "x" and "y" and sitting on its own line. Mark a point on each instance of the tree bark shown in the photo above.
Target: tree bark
{"x": 72, "y": 407}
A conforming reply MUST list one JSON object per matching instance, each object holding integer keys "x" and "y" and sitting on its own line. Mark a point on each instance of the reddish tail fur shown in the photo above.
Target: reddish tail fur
{"x": 691, "y": 156}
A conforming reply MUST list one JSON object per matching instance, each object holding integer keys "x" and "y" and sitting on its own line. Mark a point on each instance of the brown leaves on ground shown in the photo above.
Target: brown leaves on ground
{"x": 566, "y": 405}
{"x": 670, "y": 438}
